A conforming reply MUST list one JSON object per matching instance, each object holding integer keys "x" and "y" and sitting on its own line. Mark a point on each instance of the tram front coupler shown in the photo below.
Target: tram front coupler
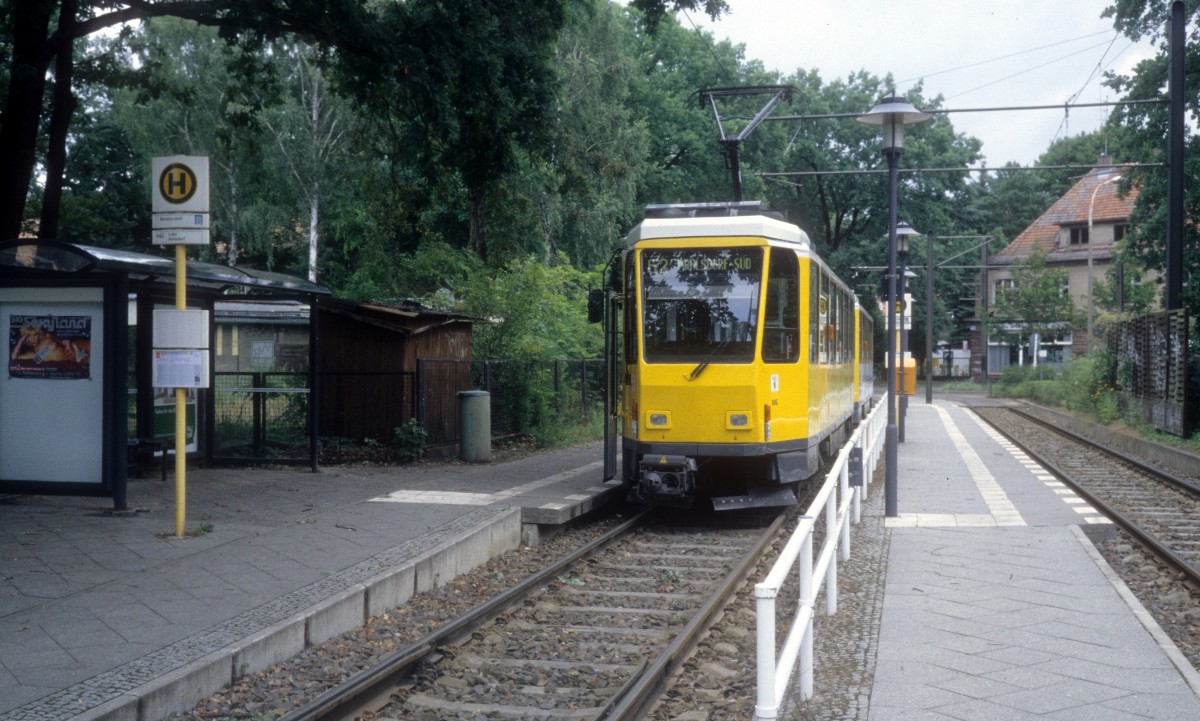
{"x": 667, "y": 479}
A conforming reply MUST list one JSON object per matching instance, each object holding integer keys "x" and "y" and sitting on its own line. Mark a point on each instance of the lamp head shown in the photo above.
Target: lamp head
{"x": 904, "y": 232}
{"x": 891, "y": 114}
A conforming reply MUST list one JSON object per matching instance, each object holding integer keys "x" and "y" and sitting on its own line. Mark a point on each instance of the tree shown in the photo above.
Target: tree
{"x": 184, "y": 91}
{"x": 683, "y": 161}
{"x": 457, "y": 59}
{"x": 309, "y": 130}
{"x": 1145, "y": 128}
{"x": 1037, "y": 303}
{"x": 533, "y": 312}
{"x": 1009, "y": 200}
{"x": 44, "y": 32}
{"x": 103, "y": 201}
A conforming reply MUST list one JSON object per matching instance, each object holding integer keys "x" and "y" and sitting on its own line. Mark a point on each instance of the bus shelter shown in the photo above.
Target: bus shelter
{"x": 76, "y": 395}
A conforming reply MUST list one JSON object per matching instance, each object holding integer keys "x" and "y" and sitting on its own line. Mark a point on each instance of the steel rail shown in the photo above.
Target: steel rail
{"x": 1184, "y": 483}
{"x": 634, "y": 698}
{"x": 367, "y": 687}
{"x": 1144, "y": 537}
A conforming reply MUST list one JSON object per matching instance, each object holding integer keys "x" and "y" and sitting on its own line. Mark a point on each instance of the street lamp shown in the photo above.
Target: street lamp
{"x": 1092, "y": 207}
{"x": 904, "y": 232}
{"x": 891, "y": 114}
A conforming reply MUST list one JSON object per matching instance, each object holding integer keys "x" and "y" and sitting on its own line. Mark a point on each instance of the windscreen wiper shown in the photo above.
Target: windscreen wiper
{"x": 717, "y": 349}
{"x": 704, "y": 363}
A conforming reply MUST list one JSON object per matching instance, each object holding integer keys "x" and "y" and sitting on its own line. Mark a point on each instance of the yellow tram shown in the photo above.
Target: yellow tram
{"x": 738, "y": 356}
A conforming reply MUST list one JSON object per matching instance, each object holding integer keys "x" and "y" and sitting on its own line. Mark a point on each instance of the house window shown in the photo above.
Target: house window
{"x": 1119, "y": 232}
{"x": 1079, "y": 236}
{"x": 1003, "y": 285}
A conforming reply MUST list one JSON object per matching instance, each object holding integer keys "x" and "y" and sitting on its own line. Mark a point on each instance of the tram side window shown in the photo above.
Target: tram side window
{"x": 835, "y": 324}
{"x": 835, "y": 334}
{"x": 848, "y": 330}
{"x": 846, "y": 324}
{"x": 843, "y": 324}
{"x": 868, "y": 336}
{"x": 825, "y": 311}
{"x": 781, "y": 332}
{"x": 631, "y": 351}
{"x": 814, "y": 317}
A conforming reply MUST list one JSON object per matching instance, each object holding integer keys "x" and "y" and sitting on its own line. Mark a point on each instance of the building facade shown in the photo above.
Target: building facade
{"x": 1079, "y": 233}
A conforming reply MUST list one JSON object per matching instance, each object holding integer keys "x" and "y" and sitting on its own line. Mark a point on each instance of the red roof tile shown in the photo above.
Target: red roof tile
{"x": 1072, "y": 210}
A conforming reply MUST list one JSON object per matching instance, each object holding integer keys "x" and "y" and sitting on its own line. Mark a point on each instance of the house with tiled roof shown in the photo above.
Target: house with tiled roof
{"x": 1079, "y": 233}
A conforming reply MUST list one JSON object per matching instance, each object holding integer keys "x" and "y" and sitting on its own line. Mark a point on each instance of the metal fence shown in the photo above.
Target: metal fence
{"x": 260, "y": 416}
{"x": 1151, "y": 354}
{"x": 525, "y": 395}
{"x": 263, "y": 416}
{"x": 839, "y": 500}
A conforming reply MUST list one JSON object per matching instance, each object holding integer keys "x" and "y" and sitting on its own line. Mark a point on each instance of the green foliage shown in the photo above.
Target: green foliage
{"x": 410, "y": 441}
{"x": 1035, "y": 304}
{"x": 1145, "y": 128}
{"x": 532, "y": 311}
{"x": 484, "y": 158}
{"x": 1084, "y": 387}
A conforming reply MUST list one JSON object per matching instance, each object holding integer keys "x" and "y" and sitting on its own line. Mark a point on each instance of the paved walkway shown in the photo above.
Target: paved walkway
{"x": 997, "y": 606}
{"x": 104, "y": 613}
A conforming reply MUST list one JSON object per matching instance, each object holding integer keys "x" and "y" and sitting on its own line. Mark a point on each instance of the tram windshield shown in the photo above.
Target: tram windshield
{"x": 700, "y": 304}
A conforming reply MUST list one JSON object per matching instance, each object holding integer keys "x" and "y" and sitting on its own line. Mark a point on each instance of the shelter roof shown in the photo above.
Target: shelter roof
{"x": 35, "y": 255}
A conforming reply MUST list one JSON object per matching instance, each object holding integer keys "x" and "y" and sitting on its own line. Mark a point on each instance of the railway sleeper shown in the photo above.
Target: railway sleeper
{"x": 477, "y": 662}
{"x": 715, "y": 571}
{"x": 591, "y": 612}
{"x": 684, "y": 558}
{"x": 459, "y": 709}
{"x": 647, "y": 581}
{"x": 663, "y": 596}
{"x": 644, "y": 604}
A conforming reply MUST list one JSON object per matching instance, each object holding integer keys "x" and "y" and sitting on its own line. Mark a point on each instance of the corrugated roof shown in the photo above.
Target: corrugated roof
{"x": 34, "y": 254}
{"x": 1072, "y": 210}
{"x": 406, "y": 317}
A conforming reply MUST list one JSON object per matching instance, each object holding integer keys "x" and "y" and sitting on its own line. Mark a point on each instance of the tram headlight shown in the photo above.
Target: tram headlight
{"x": 658, "y": 419}
{"x": 737, "y": 420}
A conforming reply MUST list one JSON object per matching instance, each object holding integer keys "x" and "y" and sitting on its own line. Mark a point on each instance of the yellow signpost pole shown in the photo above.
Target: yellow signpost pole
{"x": 180, "y": 405}
{"x": 180, "y": 217}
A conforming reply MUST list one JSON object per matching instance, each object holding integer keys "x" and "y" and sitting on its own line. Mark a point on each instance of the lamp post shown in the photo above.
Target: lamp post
{"x": 891, "y": 113}
{"x": 904, "y": 232}
{"x": 929, "y": 320}
{"x": 1092, "y": 207}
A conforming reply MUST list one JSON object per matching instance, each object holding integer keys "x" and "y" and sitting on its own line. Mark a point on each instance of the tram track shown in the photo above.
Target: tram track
{"x": 1160, "y": 510}
{"x": 595, "y": 635}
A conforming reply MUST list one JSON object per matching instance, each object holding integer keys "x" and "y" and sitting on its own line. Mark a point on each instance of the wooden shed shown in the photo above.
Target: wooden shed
{"x": 368, "y": 361}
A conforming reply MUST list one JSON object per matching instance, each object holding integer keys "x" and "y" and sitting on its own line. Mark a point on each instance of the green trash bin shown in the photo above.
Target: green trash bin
{"x": 475, "y": 426}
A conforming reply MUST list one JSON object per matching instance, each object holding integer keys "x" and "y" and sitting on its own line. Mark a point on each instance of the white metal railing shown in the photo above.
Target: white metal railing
{"x": 774, "y": 674}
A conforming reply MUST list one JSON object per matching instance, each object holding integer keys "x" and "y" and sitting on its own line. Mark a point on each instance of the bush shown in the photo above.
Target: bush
{"x": 409, "y": 441}
{"x": 1048, "y": 392}
{"x": 1014, "y": 382}
{"x": 1080, "y": 385}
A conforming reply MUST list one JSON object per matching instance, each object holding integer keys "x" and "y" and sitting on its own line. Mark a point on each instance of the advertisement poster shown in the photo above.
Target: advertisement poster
{"x": 49, "y": 346}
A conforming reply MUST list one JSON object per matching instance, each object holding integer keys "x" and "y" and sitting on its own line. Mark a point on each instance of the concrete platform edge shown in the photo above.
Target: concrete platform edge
{"x": 1190, "y": 676}
{"x": 560, "y": 513}
{"x": 182, "y": 688}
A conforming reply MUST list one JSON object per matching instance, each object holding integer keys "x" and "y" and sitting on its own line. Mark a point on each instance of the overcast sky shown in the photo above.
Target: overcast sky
{"x": 976, "y": 54}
